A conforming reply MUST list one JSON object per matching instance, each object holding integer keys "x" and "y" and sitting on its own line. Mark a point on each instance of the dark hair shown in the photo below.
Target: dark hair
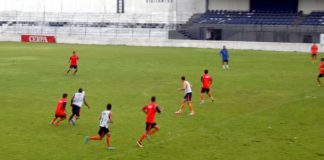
{"x": 65, "y": 95}
{"x": 109, "y": 106}
{"x": 206, "y": 71}
{"x": 80, "y": 90}
{"x": 322, "y": 59}
{"x": 153, "y": 99}
{"x": 183, "y": 78}
{"x": 73, "y": 52}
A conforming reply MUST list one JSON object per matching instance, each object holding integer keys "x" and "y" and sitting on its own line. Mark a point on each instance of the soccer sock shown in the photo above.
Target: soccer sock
{"x": 223, "y": 66}
{"x": 154, "y": 130}
{"x": 142, "y": 137}
{"x": 95, "y": 138}
{"x": 227, "y": 66}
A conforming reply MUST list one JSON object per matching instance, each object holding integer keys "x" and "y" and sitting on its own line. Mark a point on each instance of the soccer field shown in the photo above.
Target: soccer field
{"x": 267, "y": 105}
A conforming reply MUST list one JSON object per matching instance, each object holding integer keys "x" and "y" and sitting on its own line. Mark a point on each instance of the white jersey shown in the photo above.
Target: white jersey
{"x": 104, "y": 120}
{"x": 187, "y": 87}
{"x": 78, "y": 99}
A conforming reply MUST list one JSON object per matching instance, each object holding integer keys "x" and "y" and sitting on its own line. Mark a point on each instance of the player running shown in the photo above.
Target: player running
{"x": 151, "y": 127}
{"x": 73, "y": 61}
{"x": 187, "y": 98}
{"x": 314, "y": 50}
{"x": 104, "y": 120}
{"x": 321, "y": 74}
{"x": 224, "y": 54}
{"x": 60, "y": 110}
{"x": 206, "y": 83}
{"x": 76, "y": 103}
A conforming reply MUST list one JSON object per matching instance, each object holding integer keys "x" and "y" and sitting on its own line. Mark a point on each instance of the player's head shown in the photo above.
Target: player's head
{"x": 73, "y": 52}
{"x": 153, "y": 99}
{"x": 109, "y": 106}
{"x": 183, "y": 78}
{"x": 65, "y": 95}
{"x": 206, "y": 71}
{"x": 80, "y": 90}
{"x": 322, "y": 59}
{"x": 224, "y": 47}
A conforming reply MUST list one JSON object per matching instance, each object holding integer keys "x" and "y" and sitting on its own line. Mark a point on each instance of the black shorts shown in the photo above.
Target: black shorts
{"x": 204, "y": 90}
{"x": 314, "y": 55}
{"x": 225, "y": 60}
{"x": 103, "y": 131}
{"x": 73, "y": 67}
{"x": 60, "y": 116}
{"x": 187, "y": 97}
{"x": 76, "y": 110}
{"x": 320, "y": 75}
{"x": 149, "y": 126}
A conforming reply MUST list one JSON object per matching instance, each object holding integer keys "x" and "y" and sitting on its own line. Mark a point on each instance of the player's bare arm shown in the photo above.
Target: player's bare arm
{"x": 144, "y": 110}
{"x": 85, "y": 102}
{"x": 72, "y": 101}
{"x": 184, "y": 87}
{"x": 110, "y": 117}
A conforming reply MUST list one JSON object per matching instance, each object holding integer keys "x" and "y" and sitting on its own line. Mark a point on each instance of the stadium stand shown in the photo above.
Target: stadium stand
{"x": 155, "y": 25}
{"x": 314, "y": 18}
{"x": 248, "y": 17}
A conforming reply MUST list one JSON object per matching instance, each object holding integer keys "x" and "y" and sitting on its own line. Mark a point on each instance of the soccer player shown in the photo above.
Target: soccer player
{"x": 206, "y": 83}
{"x": 314, "y": 50}
{"x": 321, "y": 74}
{"x": 104, "y": 120}
{"x": 151, "y": 127}
{"x": 73, "y": 61}
{"x": 76, "y": 103}
{"x": 187, "y": 98}
{"x": 224, "y": 54}
{"x": 60, "y": 110}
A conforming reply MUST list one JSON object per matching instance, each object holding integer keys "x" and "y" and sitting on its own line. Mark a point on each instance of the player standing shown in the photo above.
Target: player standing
{"x": 314, "y": 50}
{"x": 187, "y": 98}
{"x": 151, "y": 127}
{"x": 206, "y": 83}
{"x": 60, "y": 110}
{"x": 225, "y": 56}
{"x": 104, "y": 120}
{"x": 76, "y": 103}
{"x": 73, "y": 61}
{"x": 321, "y": 74}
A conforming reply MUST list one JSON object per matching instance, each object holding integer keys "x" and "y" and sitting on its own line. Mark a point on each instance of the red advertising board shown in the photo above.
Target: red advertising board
{"x": 38, "y": 38}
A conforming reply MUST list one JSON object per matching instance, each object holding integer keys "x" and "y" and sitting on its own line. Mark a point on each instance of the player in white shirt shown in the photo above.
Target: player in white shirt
{"x": 104, "y": 120}
{"x": 76, "y": 103}
{"x": 187, "y": 98}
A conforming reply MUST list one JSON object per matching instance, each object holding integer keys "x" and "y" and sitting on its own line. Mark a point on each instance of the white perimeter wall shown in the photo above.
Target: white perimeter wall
{"x": 267, "y": 46}
{"x": 243, "y": 5}
{"x": 311, "y": 5}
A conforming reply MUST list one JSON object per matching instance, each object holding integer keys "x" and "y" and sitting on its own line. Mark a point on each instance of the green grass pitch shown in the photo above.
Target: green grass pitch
{"x": 267, "y": 106}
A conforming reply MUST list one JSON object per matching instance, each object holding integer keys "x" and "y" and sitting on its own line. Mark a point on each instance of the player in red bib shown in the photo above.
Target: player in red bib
{"x": 73, "y": 61}
{"x": 314, "y": 50}
{"x": 321, "y": 74}
{"x": 60, "y": 110}
{"x": 151, "y": 127}
{"x": 206, "y": 83}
